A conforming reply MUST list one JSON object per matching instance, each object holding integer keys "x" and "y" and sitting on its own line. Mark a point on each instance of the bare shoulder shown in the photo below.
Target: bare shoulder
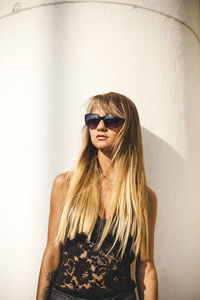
{"x": 58, "y": 192}
{"x": 152, "y": 197}
{"x": 62, "y": 177}
{"x": 151, "y": 193}
{"x": 152, "y": 203}
{"x": 59, "y": 188}
{"x": 61, "y": 181}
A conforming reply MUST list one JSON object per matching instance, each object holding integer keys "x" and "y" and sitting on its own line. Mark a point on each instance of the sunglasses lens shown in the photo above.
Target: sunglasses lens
{"x": 91, "y": 121}
{"x": 113, "y": 122}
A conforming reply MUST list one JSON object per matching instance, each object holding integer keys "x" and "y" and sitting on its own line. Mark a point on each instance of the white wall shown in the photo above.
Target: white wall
{"x": 52, "y": 58}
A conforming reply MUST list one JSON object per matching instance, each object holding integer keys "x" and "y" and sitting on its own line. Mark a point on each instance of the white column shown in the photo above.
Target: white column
{"x": 56, "y": 54}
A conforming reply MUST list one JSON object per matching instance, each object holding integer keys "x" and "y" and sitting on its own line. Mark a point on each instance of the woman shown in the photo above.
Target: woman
{"x": 102, "y": 215}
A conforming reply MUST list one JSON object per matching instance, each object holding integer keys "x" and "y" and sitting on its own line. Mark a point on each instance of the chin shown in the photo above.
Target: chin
{"x": 101, "y": 145}
{"x": 105, "y": 148}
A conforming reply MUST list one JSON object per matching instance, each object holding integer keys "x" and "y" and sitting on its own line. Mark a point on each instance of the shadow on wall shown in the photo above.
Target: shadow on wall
{"x": 176, "y": 234}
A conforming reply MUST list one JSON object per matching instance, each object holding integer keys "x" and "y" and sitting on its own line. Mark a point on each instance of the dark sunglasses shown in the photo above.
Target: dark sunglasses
{"x": 110, "y": 121}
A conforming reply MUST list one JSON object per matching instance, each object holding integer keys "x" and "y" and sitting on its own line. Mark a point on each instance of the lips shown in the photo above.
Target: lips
{"x": 101, "y": 136}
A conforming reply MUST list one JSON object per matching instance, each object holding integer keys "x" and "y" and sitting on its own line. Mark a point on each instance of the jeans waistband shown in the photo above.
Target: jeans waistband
{"x": 58, "y": 295}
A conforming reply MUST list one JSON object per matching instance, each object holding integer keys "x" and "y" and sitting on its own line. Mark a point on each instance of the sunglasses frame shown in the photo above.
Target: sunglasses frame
{"x": 104, "y": 118}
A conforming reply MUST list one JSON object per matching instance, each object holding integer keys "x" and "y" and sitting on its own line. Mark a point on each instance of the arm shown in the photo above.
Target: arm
{"x": 51, "y": 256}
{"x": 146, "y": 275}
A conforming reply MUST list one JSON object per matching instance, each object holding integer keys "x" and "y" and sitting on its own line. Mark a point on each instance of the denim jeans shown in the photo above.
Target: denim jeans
{"x": 57, "y": 295}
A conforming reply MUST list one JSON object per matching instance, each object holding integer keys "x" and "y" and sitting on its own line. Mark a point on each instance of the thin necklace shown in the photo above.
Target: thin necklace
{"x": 107, "y": 176}
{"x": 98, "y": 171}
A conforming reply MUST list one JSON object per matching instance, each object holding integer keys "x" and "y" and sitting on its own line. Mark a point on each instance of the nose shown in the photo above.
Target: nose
{"x": 101, "y": 125}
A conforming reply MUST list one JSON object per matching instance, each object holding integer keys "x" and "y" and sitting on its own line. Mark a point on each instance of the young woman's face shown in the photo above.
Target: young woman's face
{"x": 102, "y": 137}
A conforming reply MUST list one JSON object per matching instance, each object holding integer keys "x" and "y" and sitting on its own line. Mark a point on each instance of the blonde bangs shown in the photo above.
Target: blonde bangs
{"x": 108, "y": 104}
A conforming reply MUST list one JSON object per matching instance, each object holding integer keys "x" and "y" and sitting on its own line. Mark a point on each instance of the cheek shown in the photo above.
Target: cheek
{"x": 91, "y": 135}
{"x": 115, "y": 132}
{"x": 113, "y": 135}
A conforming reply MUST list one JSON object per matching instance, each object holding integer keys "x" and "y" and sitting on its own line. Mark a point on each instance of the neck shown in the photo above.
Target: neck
{"x": 105, "y": 163}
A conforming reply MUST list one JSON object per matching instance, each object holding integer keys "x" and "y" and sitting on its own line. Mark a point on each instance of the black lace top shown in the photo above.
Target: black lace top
{"x": 84, "y": 272}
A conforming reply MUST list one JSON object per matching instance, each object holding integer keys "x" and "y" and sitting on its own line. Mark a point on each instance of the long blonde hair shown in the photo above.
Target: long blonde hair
{"x": 129, "y": 200}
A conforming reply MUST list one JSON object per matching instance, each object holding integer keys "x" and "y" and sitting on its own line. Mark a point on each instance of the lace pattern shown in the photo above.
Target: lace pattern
{"x": 85, "y": 271}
